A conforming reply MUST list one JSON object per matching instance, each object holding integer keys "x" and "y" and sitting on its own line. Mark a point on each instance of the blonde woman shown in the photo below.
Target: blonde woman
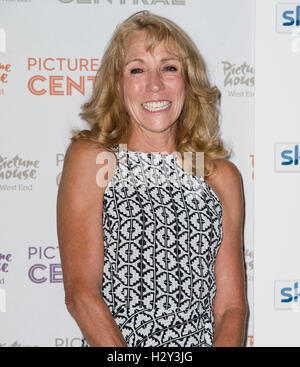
{"x": 152, "y": 253}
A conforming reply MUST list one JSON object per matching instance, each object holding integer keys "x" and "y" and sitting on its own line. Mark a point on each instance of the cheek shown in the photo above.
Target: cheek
{"x": 181, "y": 89}
{"x": 176, "y": 87}
{"x": 179, "y": 93}
{"x": 132, "y": 88}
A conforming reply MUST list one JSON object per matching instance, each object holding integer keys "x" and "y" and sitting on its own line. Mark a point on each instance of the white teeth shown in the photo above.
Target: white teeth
{"x": 156, "y": 106}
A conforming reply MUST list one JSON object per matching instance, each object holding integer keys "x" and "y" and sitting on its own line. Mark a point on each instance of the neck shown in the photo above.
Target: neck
{"x": 152, "y": 142}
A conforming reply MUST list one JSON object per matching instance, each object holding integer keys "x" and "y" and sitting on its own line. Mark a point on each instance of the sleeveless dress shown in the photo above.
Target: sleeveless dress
{"x": 162, "y": 229}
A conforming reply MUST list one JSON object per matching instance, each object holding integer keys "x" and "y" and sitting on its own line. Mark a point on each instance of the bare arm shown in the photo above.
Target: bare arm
{"x": 230, "y": 307}
{"x": 80, "y": 236}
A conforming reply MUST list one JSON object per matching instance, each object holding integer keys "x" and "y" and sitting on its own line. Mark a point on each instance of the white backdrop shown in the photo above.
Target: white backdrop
{"x": 277, "y": 180}
{"x": 46, "y": 46}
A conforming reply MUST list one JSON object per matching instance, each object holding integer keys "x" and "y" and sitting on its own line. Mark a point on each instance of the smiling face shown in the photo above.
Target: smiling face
{"x": 152, "y": 85}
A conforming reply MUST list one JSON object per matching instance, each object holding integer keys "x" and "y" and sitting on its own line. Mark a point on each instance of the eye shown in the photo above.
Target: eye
{"x": 136, "y": 71}
{"x": 171, "y": 68}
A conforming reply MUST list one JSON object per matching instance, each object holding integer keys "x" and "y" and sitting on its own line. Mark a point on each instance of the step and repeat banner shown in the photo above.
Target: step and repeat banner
{"x": 49, "y": 53}
{"x": 277, "y": 179}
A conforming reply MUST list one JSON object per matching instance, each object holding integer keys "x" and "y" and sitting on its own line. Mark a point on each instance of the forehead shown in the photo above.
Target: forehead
{"x": 137, "y": 43}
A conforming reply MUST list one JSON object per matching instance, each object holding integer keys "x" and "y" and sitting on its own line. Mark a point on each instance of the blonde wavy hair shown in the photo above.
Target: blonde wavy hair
{"x": 197, "y": 128}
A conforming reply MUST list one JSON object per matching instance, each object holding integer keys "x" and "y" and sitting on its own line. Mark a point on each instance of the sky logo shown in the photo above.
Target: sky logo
{"x": 287, "y": 296}
{"x": 287, "y": 157}
{"x": 288, "y": 17}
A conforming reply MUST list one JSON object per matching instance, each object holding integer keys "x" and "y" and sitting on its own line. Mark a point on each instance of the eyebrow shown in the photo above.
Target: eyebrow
{"x": 161, "y": 60}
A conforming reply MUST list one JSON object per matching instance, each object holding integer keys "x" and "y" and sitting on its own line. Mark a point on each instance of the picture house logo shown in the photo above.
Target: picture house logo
{"x": 61, "y": 76}
{"x": 5, "y": 260}
{"x": 17, "y": 168}
{"x": 286, "y": 295}
{"x": 287, "y": 157}
{"x": 237, "y": 76}
{"x": 5, "y": 69}
{"x": 46, "y": 267}
{"x": 125, "y": 2}
{"x": 67, "y": 342}
{"x": 287, "y": 17}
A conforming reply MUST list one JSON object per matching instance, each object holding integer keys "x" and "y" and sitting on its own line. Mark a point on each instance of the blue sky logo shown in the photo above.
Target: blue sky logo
{"x": 287, "y": 157}
{"x": 286, "y": 295}
{"x": 288, "y": 17}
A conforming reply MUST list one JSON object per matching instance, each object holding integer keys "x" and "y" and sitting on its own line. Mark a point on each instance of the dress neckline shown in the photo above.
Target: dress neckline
{"x": 155, "y": 154}
{"x": 151, "y": 153}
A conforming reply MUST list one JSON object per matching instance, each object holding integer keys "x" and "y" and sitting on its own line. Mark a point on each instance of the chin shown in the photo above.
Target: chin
{"x": 157, "y": 129}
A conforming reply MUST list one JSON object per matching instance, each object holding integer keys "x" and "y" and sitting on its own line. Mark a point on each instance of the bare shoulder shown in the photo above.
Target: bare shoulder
{"x": 83, "y": 152}
{"x": 86, "y": 168}
{"x": 226, "y": 180}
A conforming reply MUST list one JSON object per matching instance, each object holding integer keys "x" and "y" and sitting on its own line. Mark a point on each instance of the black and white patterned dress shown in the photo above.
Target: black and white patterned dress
{"x": 162, "y": 230}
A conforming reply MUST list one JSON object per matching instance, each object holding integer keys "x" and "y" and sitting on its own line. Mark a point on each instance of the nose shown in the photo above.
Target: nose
{"x": 154, "y": 81}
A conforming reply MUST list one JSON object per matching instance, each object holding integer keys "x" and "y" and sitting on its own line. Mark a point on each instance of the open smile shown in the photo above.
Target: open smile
{"x": 156, "y": 106}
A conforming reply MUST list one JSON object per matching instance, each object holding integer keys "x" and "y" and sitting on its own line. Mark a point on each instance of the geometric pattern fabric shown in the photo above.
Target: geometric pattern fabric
{"x": 162, "y": 230}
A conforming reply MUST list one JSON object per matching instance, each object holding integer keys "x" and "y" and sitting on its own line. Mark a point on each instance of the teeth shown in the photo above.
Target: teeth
{"x": 156, "y": 106}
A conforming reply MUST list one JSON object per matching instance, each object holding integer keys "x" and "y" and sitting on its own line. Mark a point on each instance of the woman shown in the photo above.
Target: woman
{"x": 151, "y": 254}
